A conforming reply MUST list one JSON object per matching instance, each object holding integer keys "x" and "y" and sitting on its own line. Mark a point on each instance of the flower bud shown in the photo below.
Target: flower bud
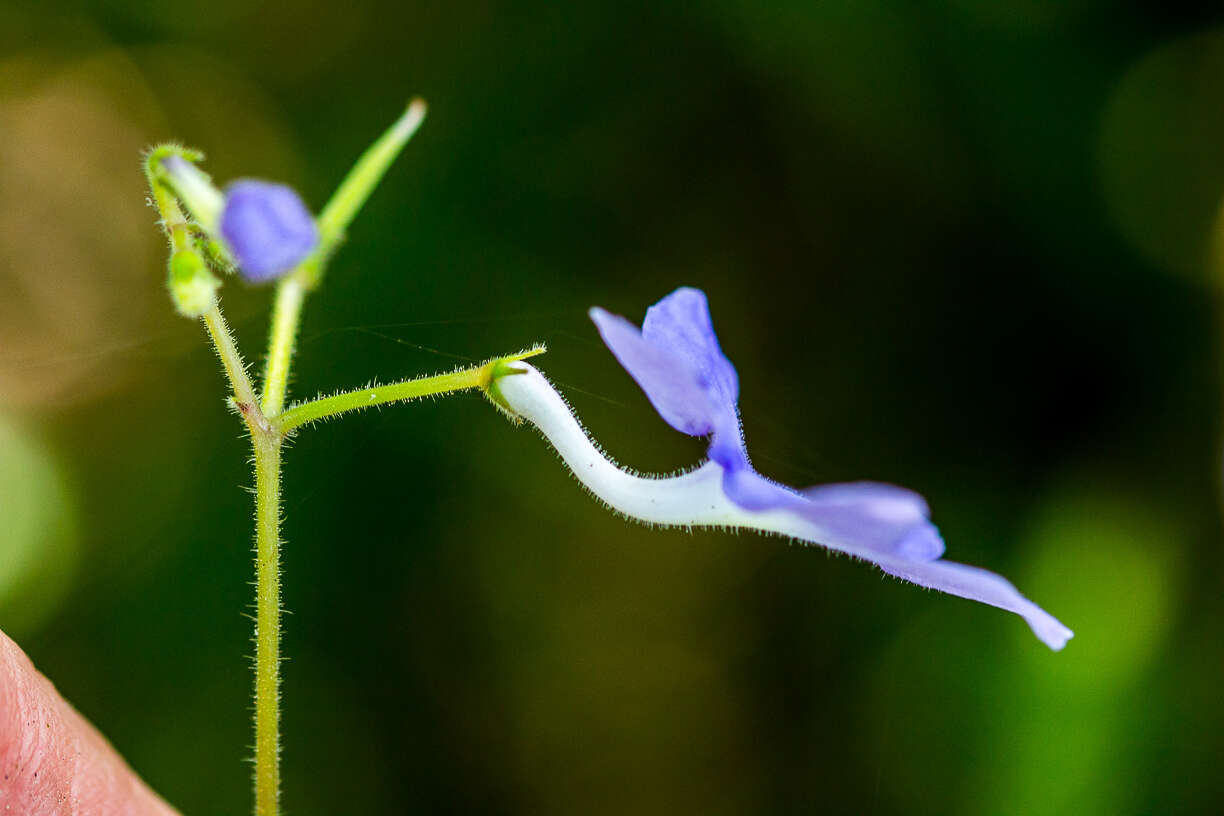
{"x": 195, "y": 189}
{"x": 266, "y": 228}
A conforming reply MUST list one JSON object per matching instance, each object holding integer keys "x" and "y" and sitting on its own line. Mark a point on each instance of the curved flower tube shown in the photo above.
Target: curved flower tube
{"x": 677, "y": 361}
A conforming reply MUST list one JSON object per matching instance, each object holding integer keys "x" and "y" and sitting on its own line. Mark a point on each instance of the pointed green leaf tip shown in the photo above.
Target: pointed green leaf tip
{"x": 500, "y": 367}
{"x": 358, "y": 186}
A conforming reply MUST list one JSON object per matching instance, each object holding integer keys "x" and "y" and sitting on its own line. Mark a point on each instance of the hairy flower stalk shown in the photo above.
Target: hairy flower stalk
{"x": 267, "y": 233}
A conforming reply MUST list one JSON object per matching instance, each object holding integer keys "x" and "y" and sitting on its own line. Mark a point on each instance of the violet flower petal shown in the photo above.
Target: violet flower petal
{"x": 983, "y": 586}
{"x": 883, "y": 517}
{"x": 677, "y": 361}
{"x": 752, "y": 491}
{"x": 681, "y": 322}
{"x": 671, "y": 383}
{"x": 267, "y": 229}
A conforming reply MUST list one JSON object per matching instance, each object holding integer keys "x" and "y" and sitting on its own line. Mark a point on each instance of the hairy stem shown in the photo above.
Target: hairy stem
{"x": 480, "y": 376}
{"x": 267, "y": 624}
{"x": 286, "y": 315}
{"x": 328, "y": 407}
{"x": 235, "y": 368}
{"x": 337, "y": 214}
{"x": 266, "y": 443}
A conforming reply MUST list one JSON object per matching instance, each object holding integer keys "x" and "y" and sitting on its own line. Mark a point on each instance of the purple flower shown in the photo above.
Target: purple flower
{"x": 677, "y": 361}
{"x": 267, "y": 229}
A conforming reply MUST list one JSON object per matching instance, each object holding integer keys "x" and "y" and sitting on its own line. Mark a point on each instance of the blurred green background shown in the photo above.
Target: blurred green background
{"x": 962, "y": 245}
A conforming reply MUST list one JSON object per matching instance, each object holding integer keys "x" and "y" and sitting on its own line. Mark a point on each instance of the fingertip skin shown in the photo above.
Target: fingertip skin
{"x": 52, "y": 761}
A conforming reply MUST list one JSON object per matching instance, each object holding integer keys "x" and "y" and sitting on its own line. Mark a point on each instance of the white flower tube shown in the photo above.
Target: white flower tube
{"x": 698, "y": 499}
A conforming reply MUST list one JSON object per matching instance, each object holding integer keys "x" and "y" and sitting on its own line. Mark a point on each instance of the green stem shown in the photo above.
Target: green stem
{"x": 266, "y": 442}
{"x": 337, "y": 214}
{"x": 328, "y": 407}
{"x": 267, "y": 624}
{"x": 286, "y": 316}
{"x": 172, "y": 218}
{"x": 235, "y": 368}
{"x": 480, "y": 376}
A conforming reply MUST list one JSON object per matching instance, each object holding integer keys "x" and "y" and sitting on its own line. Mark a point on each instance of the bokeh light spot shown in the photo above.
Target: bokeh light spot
{"x": 76, "y": 249}
{"x": 38, "y": 543}
{"x": 1108, "y": 566}
{"x": 1162, "y": 165}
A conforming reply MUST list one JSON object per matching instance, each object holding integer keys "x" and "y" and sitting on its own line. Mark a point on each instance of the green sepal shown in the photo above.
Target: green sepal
{"x": 214, "y": 252}
{"x": 193, "y": 287}
{"x": 500, "y": 367}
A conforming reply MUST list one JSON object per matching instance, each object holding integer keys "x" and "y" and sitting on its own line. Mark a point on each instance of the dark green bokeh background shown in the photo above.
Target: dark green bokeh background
{"x": 960, "y": 245}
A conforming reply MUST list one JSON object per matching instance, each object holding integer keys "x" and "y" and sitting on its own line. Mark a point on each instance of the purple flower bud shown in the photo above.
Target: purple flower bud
{"x": 267, "y": 229}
